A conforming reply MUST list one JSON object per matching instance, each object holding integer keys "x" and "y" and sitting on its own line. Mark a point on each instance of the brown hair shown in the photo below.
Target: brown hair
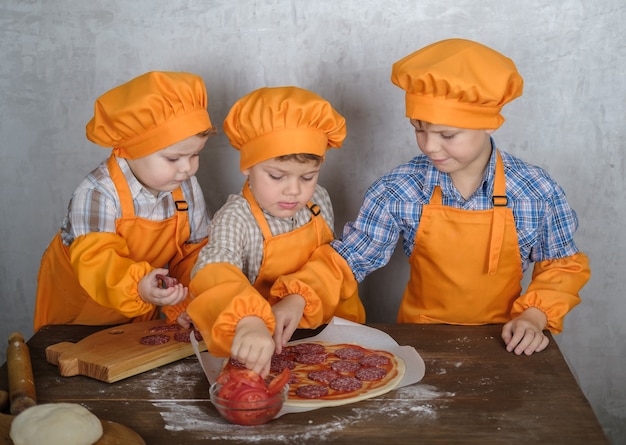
{"x": 208, "y": 132}
{"x": 302, "y": 158}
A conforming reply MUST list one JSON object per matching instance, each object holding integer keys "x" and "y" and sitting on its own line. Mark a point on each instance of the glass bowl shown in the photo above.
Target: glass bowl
{"x": 248, "y": 412}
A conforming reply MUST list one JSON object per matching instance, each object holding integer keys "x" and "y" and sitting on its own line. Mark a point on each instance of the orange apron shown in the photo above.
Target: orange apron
{"x": 60, "y": 297}
{"x": 465, "y": 266}
{"x": 288, "y": 252}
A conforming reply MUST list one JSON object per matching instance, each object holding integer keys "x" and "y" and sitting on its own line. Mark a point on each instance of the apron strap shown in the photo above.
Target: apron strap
{"x": 435, "y": 197}
{"x": 256, "y": 211}
{"x": 122, "y": 187}
{"x": 500, "y": 202}
{"x": 128, "y": 207}
{"x": 182, "y": 218}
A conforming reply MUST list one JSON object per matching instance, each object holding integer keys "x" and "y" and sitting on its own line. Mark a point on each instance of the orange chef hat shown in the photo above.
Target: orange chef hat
{"x": 271, "y": 122}
{"x": 149, "y": 113}
{"x": 458, "y": 83}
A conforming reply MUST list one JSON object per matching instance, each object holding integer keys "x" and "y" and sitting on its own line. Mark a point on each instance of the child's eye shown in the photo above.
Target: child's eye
{"x": 274, "y": 177}
{"x": 447, "y": 136}
{"x": 307, "y": 178}
{"x": 172, "y": 159}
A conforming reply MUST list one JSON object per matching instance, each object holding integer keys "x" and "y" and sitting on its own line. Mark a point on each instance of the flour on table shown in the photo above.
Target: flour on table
{"x": 409, "y": 403}
{"x": 168, "y": 378}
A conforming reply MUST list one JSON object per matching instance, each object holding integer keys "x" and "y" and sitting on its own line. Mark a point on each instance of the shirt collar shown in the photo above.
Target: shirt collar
{"x": 490, "y": 172}
{"x": 136, "y": 188}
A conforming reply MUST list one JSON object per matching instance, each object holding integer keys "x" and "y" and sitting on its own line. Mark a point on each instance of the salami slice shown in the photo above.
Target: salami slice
{"x": 311, "y": 359}
{"x": 293, "y": 379}
{"x": 235, "y": 363}
{"x": 278, "y": 364}
{"x": 166, "y": 281}
{"x": 185, "y": 337}
{"x": 345, "y": 384}
{"x": 165, "y": 328}
{"x": 349, "y": 353}
{"x": 154, "y": 339}
{"x": 370, "y": 374}
{"x": 198, "y": 335}
{"x": 312, "y": 391}
{"x": 374, "y": 360}
{"x": 307, "y": 348}
{"x": 284, "y": 355}
{"x": 323, "y": 375}
{"x": 345, "y": 366}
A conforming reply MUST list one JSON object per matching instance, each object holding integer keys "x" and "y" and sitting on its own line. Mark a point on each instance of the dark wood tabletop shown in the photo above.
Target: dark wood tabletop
{"x": 473, "y": 392}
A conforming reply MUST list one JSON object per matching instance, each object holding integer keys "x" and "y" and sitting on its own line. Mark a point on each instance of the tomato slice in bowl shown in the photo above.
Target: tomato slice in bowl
{"x": 247, "y": 405}
{"x": 228, "y": 386}
{"x": 248, "y": 397}
{"x": 279, "y": 381}
{"x": 247, "y": 377}
{"x": 243, "y": 397}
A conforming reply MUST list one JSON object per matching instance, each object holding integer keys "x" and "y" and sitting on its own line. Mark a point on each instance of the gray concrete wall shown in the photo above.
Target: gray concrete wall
{"x": 58, "y": 56}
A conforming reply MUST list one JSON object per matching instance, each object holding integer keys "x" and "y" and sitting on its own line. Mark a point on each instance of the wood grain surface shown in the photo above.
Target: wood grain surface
{"x": 473, "y": 392}
{"x": 117, "y": 353}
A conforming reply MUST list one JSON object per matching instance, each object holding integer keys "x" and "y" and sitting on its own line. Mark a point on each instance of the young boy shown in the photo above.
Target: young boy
{"x": 270, "y": 229}
{"x": 472, "y": 217}
{"x": 138, "y": 213}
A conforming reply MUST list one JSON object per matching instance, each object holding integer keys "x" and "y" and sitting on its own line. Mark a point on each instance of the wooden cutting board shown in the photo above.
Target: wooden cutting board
{"x": 117, "y": 353}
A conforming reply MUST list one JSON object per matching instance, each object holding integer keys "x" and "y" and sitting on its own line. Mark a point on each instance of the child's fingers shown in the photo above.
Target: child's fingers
{"x": 265, "y": 370}
{"x": 511, "y": 337}
{"x": 173, "y": 295}
{"x": 278, "y": 336}
{"x": 288, "y": 332}
{"x": 539, "y": 343}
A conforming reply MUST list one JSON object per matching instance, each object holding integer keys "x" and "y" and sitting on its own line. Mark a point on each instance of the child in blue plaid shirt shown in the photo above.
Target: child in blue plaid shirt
{"x": 472, "y": 217}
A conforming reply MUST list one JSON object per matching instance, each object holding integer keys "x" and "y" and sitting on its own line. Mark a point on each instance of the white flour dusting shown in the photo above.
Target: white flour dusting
{"x": 168, "y": 378}
{"x": 407, "y": 404}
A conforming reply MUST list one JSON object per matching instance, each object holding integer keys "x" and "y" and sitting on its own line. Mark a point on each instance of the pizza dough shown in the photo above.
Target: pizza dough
{"x": 56, "y": 424}
{"x": 340, "y": 358}
{"x": 328, "y": 374}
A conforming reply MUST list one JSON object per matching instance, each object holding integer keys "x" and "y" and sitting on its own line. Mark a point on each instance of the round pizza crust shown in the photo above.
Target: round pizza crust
{"x": 56, "y": 424}
{"x": 371, "y": 389}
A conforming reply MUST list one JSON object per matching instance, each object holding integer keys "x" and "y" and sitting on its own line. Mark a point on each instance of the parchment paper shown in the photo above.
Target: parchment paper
{"x": 338, "y": 330}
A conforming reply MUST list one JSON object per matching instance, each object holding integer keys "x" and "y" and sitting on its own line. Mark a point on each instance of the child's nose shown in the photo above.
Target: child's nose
{"x": 292, "y": 187}
{"x": 429, "y": 144}
{"x": 184, "y": 165}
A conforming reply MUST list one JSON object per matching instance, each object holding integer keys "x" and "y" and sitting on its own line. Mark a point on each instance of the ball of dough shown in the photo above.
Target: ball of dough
{"x": 56, "y": 424}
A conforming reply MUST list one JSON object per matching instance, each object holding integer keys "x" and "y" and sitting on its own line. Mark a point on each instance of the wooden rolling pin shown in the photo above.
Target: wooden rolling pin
{"x": 21, "y": 382}
{"x": 4, "y": 400}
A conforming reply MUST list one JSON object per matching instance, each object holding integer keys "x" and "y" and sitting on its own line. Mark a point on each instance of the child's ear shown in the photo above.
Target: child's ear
{"x": 490, "y": 132}
{"x": 245, "y": 172}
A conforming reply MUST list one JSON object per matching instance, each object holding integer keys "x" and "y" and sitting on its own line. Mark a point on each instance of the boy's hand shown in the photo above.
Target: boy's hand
{"x": 524, "y": 334}
{"x": 151, "y": 292}
{"x": 288, "y": 313}
{"x": 184, "y": 320}
{"x": 253, "y": 345}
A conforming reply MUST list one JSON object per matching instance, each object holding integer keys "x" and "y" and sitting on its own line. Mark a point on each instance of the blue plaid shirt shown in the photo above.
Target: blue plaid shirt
{"x": 393, "y": 207}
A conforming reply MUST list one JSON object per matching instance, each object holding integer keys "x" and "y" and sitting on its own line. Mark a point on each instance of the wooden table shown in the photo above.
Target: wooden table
{"x": 473, "y": 392}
